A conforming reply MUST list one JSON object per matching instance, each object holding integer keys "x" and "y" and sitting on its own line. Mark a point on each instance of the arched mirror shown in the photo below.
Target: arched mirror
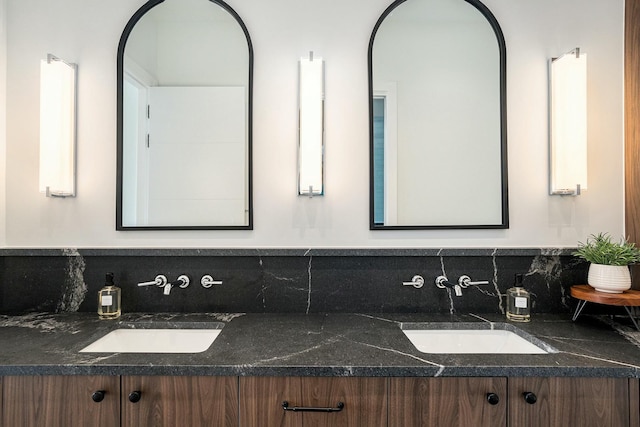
{"x": 438, "y": 150}
{"x": 184, "y": 118}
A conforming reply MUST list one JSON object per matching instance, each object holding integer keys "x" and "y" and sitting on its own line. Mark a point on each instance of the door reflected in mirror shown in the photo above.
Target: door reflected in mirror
{"x": 184, "y": 118}
{"x": 437, "y": 117}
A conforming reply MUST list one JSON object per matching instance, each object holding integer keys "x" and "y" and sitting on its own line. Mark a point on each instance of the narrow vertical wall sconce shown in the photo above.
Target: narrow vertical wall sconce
{"x": 311, "y": 126}
{"x": 57, "y": 127}
{"x": 568, "y": 124}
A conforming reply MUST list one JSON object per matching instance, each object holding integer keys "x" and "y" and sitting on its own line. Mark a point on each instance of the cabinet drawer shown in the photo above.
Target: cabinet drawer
{"x": 364, "y": 399}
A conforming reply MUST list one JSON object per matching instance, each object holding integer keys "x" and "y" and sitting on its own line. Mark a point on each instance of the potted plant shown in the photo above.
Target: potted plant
{"x": 609, "y": 269}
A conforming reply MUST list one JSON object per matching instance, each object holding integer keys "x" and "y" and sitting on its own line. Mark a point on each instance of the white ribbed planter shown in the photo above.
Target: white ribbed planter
{"x": 609, "y": 278}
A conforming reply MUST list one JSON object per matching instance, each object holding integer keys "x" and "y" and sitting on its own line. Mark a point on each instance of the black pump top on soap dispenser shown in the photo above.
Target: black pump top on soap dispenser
{"x": 108, "y": 279}
{"x": 518, "y": 282}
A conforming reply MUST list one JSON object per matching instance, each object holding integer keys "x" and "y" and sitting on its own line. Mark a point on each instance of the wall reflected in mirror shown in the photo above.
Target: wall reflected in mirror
{"x": 437, "y": 117}
{"x": 184, "y": 148}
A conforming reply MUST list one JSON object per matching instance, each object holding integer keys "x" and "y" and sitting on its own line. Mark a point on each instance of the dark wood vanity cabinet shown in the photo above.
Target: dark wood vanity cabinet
{"x": 61, "y": 401}
{"x": 169, "y": 401}
{"x": 634, "y": 401}
{"x": 141, "y": 401}
{"x": 563, "y": 401}
{"x": 521, "y": 402}
{"x": 313, "y": 401}
{"x": 96, "y": 401}
{"x": 445, "y": 402}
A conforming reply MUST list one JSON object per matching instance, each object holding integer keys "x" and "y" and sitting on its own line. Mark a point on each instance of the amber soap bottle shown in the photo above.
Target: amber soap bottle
{"x": 518, "y": 302}
{"x": 109, "y": 299}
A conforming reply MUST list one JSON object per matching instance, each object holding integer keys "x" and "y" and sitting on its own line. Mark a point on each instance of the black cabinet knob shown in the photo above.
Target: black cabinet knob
{"x": 135, "y": 396}
{"x": 98, "y": 396}
{"x": 493, "y": 398}
{"x": 530, "y": 397}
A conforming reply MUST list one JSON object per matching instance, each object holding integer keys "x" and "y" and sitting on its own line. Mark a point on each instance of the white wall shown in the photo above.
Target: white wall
{"x": 87, "y": 32}
{"x": 3, "y": 122}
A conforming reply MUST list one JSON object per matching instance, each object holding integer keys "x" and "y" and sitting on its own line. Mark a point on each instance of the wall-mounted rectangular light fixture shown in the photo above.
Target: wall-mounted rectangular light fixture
{"x": 311, "y": 126}
{"x": 57, "y": 127}
{"x": 568, "y": 124}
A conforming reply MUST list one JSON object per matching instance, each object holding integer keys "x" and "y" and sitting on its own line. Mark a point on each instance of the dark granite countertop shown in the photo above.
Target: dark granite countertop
{"x": 313, "y": 345}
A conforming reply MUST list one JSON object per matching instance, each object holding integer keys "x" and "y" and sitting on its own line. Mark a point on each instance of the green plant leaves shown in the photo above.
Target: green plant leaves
{"x": 600, "y": 249}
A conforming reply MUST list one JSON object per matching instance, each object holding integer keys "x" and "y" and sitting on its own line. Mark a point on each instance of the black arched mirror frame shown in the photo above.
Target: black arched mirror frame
{"x": 376, "y": 224}
{"x": 120, "y": 127}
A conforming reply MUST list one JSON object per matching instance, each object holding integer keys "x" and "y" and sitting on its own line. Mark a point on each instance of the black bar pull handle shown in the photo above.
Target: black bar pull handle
{"x": 285, "y": 405}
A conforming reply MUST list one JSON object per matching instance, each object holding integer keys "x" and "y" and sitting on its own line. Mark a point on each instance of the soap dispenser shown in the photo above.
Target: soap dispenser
{"x": 518, "y": 302}
{"x": 109, "y": 299}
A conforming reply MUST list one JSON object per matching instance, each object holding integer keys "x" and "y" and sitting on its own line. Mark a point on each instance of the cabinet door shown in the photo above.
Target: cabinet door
{"x": 634, "y": 401}
{"x": 563, "y": 401}
{"x": 444, "y": 402}
{"x": 61, "y": 401}
{"x": 179, "y": 401}
{"x": 364, "y": 399}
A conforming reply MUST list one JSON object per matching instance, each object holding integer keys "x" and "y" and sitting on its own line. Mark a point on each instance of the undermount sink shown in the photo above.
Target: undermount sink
{"x": 157, "y": 339}
{"x": 473, "y": 338}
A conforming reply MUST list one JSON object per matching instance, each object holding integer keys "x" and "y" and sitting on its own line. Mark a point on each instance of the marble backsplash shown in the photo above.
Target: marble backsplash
{"x": 286, "y": 280}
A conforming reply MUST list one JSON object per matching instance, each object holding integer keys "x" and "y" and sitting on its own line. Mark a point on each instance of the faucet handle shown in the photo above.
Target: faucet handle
{"x": 160, "y": 280}
{"x": 465, "y": 281}
{"x": 417, "y": 282}
{"x": 207, "y": 281}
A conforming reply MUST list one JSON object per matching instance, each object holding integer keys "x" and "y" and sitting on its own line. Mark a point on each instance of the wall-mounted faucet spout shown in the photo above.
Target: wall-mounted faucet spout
{"x": 442, "y": 282}
{"x": 182, "y": 282}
